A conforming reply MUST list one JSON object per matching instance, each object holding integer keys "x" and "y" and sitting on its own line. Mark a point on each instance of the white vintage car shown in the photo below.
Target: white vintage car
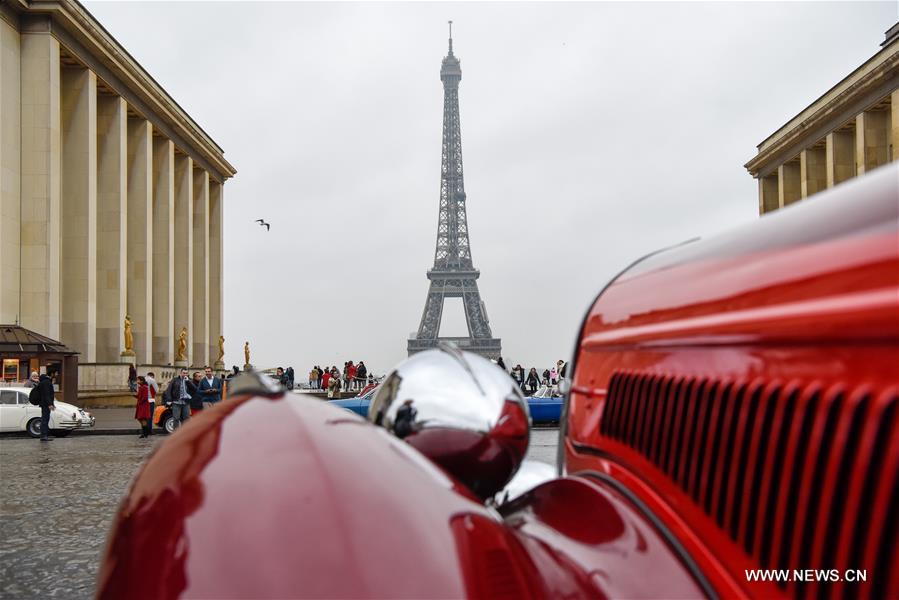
{"x": 18, "y": 414}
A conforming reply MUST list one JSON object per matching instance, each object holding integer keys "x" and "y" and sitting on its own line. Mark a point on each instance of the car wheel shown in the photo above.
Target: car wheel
{"x": 169, "y": 424}
{"x": 34, "y": 427}
{"x": 60, "y": 433}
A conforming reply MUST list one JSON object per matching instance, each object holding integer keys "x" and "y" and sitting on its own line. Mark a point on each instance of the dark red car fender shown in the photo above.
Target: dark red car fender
{"x": 277, "y": 497}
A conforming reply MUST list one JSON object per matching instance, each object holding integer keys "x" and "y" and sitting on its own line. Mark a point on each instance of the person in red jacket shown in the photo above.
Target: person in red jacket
{"x": 351, "y": 375}
{"x": 326, "y": 376}
{"x": 142, "y": 410}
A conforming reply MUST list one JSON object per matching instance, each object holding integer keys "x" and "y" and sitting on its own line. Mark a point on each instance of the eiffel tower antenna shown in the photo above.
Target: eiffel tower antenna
{"x": 453, "y": 274}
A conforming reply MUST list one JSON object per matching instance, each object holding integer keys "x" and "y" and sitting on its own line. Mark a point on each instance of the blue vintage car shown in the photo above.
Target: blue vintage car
{"x": 545, "y": 405}
{"x": 357, "y": 404}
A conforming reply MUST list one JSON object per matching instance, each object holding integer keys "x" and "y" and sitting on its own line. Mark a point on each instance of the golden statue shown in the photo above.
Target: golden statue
{"x": 182, "y": 344}
{"x": 221, "y": 349}
{"x": 246, "y": 352}
{"x": 129, "y": 337}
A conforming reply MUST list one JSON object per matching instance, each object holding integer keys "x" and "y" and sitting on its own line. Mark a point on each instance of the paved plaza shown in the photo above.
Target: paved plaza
{"x": 57, "y": 501}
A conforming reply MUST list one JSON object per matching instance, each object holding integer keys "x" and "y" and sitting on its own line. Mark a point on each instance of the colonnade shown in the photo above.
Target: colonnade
{"x": 102, "y": 215}
{"x": 863, "y": 143}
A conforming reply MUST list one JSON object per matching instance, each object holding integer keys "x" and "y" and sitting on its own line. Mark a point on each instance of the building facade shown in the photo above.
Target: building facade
{"x": 851, "y": 129}
{"x": 112, "y": 196}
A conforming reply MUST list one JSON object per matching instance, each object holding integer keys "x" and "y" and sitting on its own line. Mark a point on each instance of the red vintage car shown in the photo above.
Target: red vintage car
{"x": 730, "y": 431}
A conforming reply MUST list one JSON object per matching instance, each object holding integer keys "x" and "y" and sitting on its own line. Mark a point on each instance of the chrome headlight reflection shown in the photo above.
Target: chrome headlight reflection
{"x": 461, "y": 411}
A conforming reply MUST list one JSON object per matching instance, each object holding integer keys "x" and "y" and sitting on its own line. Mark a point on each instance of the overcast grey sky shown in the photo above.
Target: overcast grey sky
{"x": 592, "y": 133}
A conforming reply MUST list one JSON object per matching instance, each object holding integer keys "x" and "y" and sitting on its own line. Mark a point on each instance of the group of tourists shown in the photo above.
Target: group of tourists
{"x": 533, "y": 379}
{"x": 184, "y": 395}
{"x": 353, "y": 377}
{"x": 285, "y": 377}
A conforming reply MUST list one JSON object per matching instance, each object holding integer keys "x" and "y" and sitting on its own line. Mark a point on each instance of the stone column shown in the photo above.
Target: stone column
{"x": 184, "y": 251}
{"x": 789, "y": 187}
{"x": 768, "y": 193}
{"x": 200, "y": 338}
{"x": 10, "y": 172}
{"x": 40, "y": 183}
{"x": 872, "y": 139}
{"x": 163, "y": 251}
{"x": 112, "y": 224}
{"x": 840, "y": 156}
{"x": 140, "y": 236}
{"x": 78, "y": 326}
{"x": 894, "y": 125}
{"x": 813, "y": 170}
{"x": 216, "y": 208}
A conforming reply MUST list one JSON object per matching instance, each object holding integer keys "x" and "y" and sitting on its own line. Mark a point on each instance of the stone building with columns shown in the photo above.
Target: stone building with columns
{"x": 853, "y": 128}
{"x": 112, "y": 197}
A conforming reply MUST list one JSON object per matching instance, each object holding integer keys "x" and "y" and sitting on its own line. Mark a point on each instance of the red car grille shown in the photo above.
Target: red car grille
{"x": 798, "y": 474}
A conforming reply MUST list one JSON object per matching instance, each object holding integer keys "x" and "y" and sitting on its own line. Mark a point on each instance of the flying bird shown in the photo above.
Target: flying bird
{"x": 266, "y": 225}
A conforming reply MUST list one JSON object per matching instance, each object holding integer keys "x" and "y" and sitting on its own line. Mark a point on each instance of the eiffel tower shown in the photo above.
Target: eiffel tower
{"x": 453, "y": 274}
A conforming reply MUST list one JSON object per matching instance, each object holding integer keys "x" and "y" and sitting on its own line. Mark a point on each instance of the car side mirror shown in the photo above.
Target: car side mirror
{"x": 461, "y": 411}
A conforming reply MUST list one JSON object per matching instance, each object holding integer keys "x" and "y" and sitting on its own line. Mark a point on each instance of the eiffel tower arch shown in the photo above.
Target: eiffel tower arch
{"x": 453, "y": 274}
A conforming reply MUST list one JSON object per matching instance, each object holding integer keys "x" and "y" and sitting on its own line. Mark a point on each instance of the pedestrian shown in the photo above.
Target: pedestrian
{"x": 132, "y": 378}
{"x": 553, "y": 376}
{"x": 404, "y": 422}
{"x": 142, "y": 410}
{"x": 313, "y": 376}
{"x": 211, "y": 388}
{"x": 196, "y": 401}
{"x": 518, "y": 376}
{"x": 178, "y": 395}
{"x": 533, "y": 380}
{"x": 351, "y": 376}
{"x": 281, "y": 376}
{"x": 361, "y": 373}
{"x": 290, "y": 380}
{"x": 334, "y": 384}
{"x": 500, "y": 363}
{"x": 325, "y": 379}
{"x": 562, "y": 368}
{"x": 33, "y": 380}
{"x": 150, "y": 378}
{"x": 44, "y": 394}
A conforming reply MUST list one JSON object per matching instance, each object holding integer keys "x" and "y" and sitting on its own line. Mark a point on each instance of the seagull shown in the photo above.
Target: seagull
{"x": 267, "y": 225}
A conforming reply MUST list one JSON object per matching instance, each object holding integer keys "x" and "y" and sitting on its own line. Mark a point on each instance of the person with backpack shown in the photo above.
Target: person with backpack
{"x": 42, "y": 395}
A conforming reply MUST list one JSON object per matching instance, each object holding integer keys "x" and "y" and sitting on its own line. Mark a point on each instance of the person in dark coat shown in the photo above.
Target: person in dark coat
{"x": 178, "y": 395}
{"x": 404, "y": 423}
{"x": 210, "y": 389}
{"x": 533, "y": 380}
{"x": 47, "y": 403}
{"x": 196, "y": 401}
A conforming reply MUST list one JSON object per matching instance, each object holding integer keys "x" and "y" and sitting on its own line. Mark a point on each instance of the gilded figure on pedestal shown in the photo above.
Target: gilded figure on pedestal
{"x": 129, "y": 337}
{"x": 182, "y": 345}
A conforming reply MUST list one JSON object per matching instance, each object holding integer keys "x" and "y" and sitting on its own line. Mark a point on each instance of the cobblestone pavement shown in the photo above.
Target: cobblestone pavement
{"x": 543, "y": 445}
{"x": 57, "y": 500}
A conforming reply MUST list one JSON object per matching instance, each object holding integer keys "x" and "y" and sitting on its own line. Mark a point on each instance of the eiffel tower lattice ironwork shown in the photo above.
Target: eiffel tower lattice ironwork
{"x": 453, "y": 274}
